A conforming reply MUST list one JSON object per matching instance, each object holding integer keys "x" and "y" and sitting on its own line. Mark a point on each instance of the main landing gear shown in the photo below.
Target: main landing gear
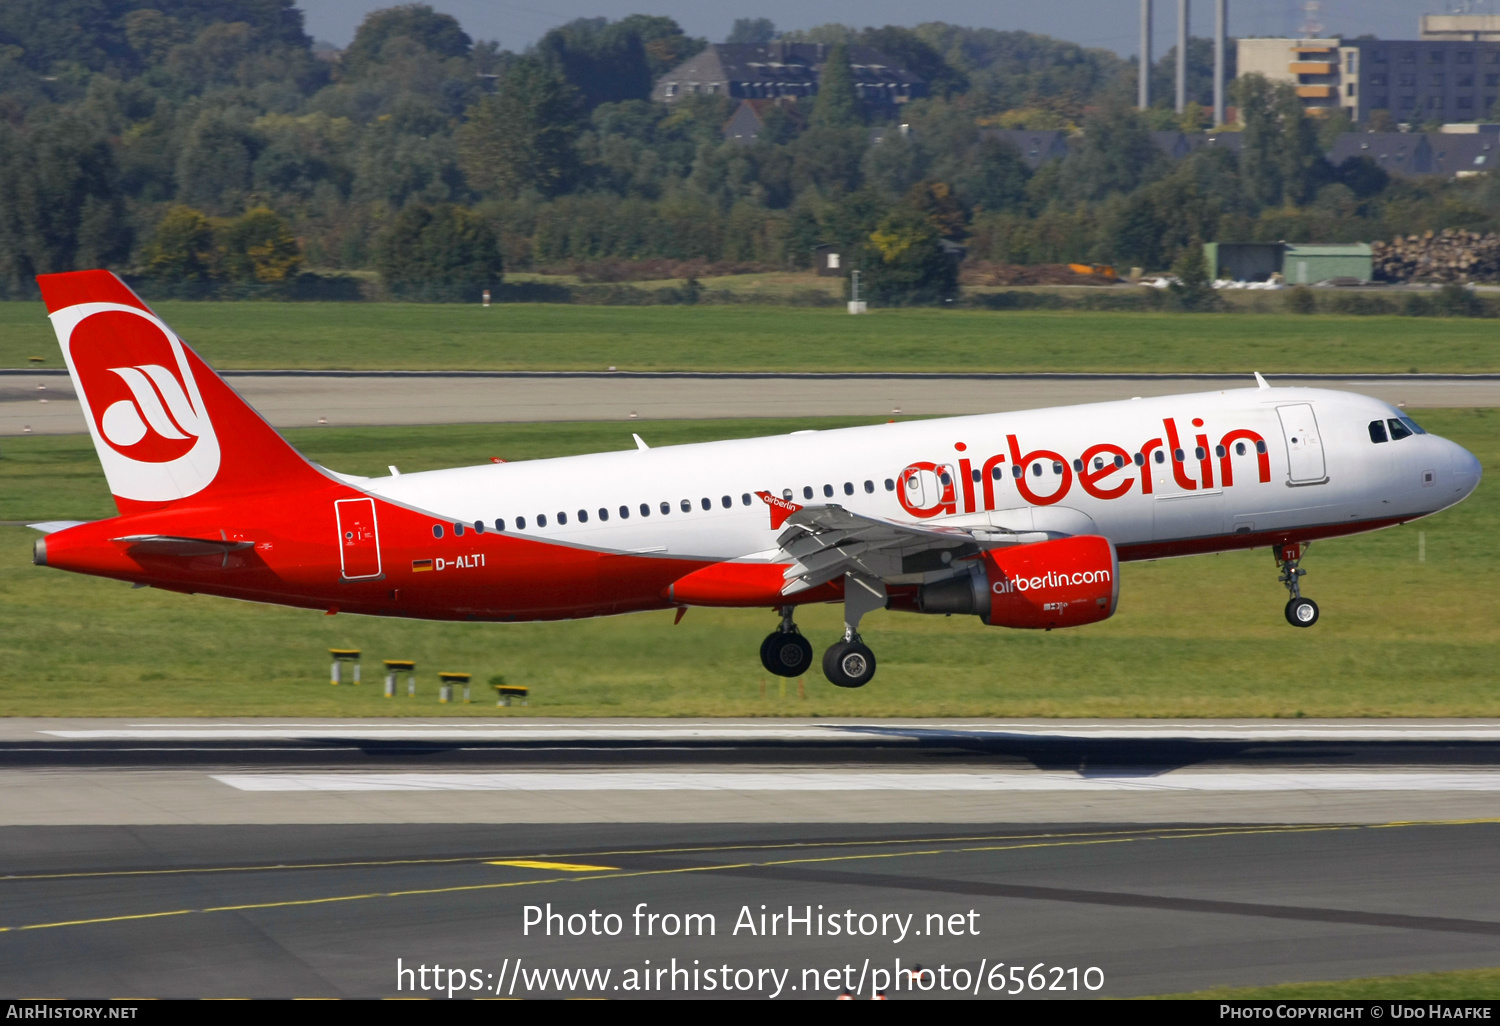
{"x": 848, "y": 663}
{"x": 1300, "y": 612}
{"x": 785, "y": 652}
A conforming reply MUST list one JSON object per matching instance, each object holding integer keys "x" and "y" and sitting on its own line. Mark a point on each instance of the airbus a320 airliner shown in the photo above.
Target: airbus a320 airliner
{"x": 1020, "y": 519}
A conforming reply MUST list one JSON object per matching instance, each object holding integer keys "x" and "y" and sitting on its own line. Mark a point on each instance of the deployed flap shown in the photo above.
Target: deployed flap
{"x": 826, "y": 542}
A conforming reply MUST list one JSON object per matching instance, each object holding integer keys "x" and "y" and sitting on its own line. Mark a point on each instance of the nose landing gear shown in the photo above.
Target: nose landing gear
{"x": 785, "y": 652}
{"x": 1300, "y": 612}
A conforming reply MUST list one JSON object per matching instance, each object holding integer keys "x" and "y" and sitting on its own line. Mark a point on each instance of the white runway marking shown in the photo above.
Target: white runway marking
{"x": 794, "y": 781}
{"x": 487, "y": 732}
{"x": 810, "y": 732}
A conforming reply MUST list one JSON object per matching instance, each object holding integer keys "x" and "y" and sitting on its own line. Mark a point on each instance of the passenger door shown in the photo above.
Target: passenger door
{"x": 1304, "y": 445}
{"x": 359, "y": 539}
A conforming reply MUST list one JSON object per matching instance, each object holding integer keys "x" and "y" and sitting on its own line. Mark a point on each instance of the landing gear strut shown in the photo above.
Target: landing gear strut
{"x": 850, "y": 663}
{"x": 785, "y": 652}
{"x": 1300, "y": 612}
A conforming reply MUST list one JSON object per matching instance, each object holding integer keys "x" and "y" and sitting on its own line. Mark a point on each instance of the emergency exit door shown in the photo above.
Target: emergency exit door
{"x": 359, "y": 539}
{"x": 1304, "y": 446}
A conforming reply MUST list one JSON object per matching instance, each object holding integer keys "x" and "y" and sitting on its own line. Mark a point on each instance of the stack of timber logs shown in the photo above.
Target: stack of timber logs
{"x": 1451, "y": 255}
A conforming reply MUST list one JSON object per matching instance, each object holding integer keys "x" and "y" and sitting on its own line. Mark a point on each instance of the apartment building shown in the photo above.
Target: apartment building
{"x": 1422, "y": 80}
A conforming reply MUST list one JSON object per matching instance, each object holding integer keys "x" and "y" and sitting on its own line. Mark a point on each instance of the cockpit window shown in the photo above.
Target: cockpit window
{"x": 1377, "y": 432}
{"x": 1416, "y": 429}
{"x": 1399, "y": 430}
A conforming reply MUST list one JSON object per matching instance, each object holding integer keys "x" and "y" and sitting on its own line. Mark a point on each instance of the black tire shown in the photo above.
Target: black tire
{"x": 849, "y": 664}
{"x": 786, "y": 655}
{"x": 1301, "y": 612}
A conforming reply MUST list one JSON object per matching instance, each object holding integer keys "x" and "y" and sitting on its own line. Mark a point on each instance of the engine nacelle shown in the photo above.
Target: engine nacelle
{"x": 1062, "y": 583}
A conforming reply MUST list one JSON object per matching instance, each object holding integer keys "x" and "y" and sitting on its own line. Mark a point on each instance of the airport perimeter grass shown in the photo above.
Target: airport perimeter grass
{"x": 1459, "y": 985}
{"x": 765, "y": 338}
{"x": 1199, "y": 637}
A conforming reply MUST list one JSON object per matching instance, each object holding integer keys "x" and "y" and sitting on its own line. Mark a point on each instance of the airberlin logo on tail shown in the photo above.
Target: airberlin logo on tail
{"x": 153, "y": 435}
{"x": 157, "y": 417}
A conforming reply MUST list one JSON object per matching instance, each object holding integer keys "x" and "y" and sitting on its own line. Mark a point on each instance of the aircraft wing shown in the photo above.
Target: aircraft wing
{"x": 825, "y": 542}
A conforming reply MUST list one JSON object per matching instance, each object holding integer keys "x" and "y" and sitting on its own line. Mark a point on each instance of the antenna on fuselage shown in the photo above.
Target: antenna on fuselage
{"x": 640, "y": 443}
{"x": 1260, "y": 381}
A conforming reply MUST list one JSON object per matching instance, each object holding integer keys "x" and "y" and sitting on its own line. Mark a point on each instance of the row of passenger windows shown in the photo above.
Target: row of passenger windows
{"x": 665, "y": 508}
{"x": 1400, "y": 427}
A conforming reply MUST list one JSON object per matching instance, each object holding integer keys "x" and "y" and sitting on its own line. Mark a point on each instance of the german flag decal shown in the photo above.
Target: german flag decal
{"x": 418, "y": 565}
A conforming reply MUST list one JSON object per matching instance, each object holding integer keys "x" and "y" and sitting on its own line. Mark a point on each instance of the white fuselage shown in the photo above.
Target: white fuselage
{"x": 1320, "y": 468}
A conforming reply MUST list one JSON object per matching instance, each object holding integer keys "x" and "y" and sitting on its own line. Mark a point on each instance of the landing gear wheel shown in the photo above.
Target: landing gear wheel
{"x": 849, "y": 664}
{"x": 1301, "y": 612}
{"x": 786, "y": 654}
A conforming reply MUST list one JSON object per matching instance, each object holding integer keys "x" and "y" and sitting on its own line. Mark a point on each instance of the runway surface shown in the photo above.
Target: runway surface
{"x": 305, "y": 399}
{"x": 80, "y": 772}
{"x": 304, "y": 858}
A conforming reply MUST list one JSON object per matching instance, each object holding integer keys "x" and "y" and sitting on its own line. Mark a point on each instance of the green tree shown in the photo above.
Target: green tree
{"x": 837, "y": 105}
{"x": 1193, "y": 290}
{"x": 848, "y": 222}
{"x": 438, "y": 34}
{"x": 1116, "y": 154}
{"x": 993, "y": 176}
{"x": 666, "y": 44}
{"x": 152, "y": 34}
{"x": 182, "y": 247}
{"x": 828, "y": 159}
{"x": 605, "y": 62}
{"x": 1280, "y": 160}
{"x": 213, "y": 165}
{"x": 942, "y": 208}
{"x": 442, "y": 252}
{"x": 523, "y": 136}
{"x": 60, "y": 201}
{"x": 904, "y": 263}
{"x": 258, "y": 246}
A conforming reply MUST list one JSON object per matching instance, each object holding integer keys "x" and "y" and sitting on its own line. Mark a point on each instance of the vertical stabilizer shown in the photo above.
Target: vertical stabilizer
{"x": 166, "y": 427}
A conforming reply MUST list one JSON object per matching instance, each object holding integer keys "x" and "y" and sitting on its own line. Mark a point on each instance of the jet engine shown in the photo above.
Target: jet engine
{"x": 1062, "y": 583}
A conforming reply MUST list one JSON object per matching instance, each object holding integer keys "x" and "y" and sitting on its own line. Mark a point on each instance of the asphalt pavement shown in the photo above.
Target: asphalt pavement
{"x": 299, "y": 858}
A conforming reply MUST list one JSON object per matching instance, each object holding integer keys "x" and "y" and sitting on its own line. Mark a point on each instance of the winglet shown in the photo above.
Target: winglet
{"x": 640, "y": 443}
{"x": 1260, "y": 381}
{"x": 780, "y": 508}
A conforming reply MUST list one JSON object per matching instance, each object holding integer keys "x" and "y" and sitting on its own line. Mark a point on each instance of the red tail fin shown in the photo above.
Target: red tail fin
{"x": 166, "y": 427}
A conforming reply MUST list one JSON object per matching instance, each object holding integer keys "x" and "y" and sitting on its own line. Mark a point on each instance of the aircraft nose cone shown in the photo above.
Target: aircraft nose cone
{"x": 1466, "y": 469}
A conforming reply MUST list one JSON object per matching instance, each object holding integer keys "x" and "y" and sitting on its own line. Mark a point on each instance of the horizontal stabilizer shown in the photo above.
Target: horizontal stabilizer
{"x": 53, "y": 526}
{"x": 185, "y": 548}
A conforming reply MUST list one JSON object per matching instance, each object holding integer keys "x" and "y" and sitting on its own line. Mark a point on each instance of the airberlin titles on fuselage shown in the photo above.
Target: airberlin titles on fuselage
{"x": 1093, "y": 469}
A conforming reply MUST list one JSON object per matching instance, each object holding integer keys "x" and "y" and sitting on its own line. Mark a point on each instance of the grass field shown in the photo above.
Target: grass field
{"x": 1198, "y": 637}
{"x": 543, "y": 337}
{"x": 1461, "y": 985}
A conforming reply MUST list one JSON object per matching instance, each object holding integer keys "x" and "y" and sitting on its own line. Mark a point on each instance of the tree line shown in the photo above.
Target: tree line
{"x": 211, "y": 144}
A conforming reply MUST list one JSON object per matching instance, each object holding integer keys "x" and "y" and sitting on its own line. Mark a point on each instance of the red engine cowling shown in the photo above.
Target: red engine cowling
{"x": 1062, "y": 583}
